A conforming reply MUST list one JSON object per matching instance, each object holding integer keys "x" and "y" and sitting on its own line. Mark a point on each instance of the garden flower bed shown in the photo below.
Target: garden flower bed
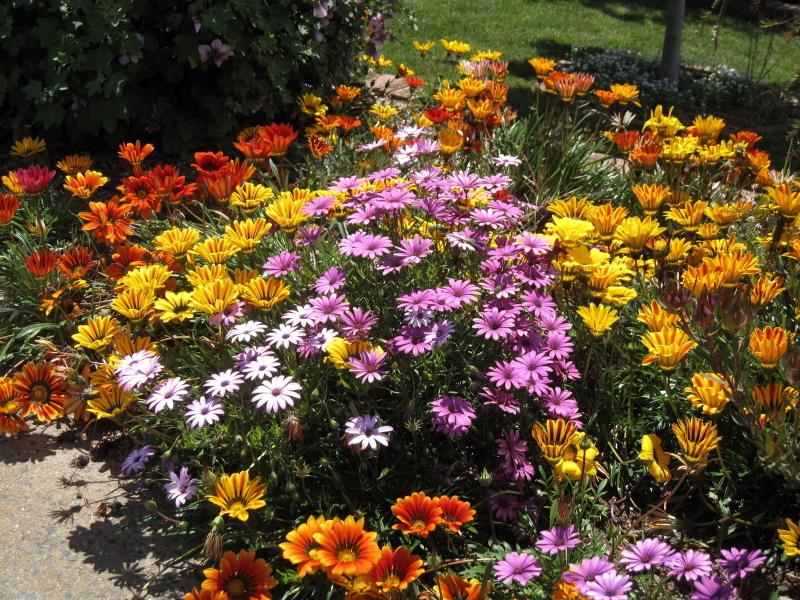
{"x": 428, "y": 349}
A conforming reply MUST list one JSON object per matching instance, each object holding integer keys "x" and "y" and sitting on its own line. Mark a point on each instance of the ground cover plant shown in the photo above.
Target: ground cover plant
{"x": 427, "y": 348}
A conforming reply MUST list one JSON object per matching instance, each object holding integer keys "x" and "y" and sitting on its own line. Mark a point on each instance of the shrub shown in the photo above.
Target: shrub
{"x": 182, "y": 72}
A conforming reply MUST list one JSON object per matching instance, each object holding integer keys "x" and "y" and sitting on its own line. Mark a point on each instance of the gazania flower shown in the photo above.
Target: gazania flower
{"x": 635, "y": 232}
{"x": 215, "y": 250}
{"x": 135, "y": 153}
{"x": 542, "y": 66}
{"x": 312, "y": 105}
{"x": 84, "y": 185}
{"x": 278, "y": 136}
{"x": 667, "y": 347}
{"x": 625, "y": 93}
{"x": 765, "y": 289}
{"x": 300, "y": 543}
{"x": 11, "y": 422}
{"x": 236, "y": 495}
{"x": 655, "y": 458}
{"x": 455, "y": 512}
{"x": 134, "y": 304}
{"x": 73, "y": 164}
{"x": 287, "y": 210}
{"x": 418, "y": 514}
{"x": 97, "y": 333}
{"x": 774, "y": 399}
{"x": 423, "y": 47}
{"x": 709, "y": 392}
{"x": 318, "y": 146}
{"x": 41, "y": 263}
{"x": 250, "y": 196}
{"x": 606, "y": 98}
{"x": 75, "y": 263}
{"x": 345, "y": 548}
{"x": 453, "y": 587}
{"x": 696, "y": 438}
{"x": 553, "y": 437}
{"x": 605, "y": 219}
{"x": 41, "y": 392}
{"x": 785, "y": 199}
{"x": 174, "y": 306}
{"x": 140, "y": 194}
{"x": 110, "y": 403}
{"x": 196, "y": 594}
{"x": 598, "y": 318}
{"x": 221, "y": 184}
{"x": 265, "y": 293}
{"x": 34, "y": 179}
{"x": 651, "y": 196}
{"x": 27, "y": 147}
{"x": 247, "y": 235}
{"x": 241, "y": 576}
{"x": 450, "y": 141}
{"x": 176, "y": 241}
{"x": 789, "y": 538}
{"x": 108, "y": 221}
{"x": 395, "y": 569}
{"x": 9, "y": 205}
{"x": 213, "y": 297}
{"x": 769, "y": 345}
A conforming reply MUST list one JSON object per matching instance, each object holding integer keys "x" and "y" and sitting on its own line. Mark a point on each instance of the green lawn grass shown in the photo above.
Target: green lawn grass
{"x": 525, "y": 28}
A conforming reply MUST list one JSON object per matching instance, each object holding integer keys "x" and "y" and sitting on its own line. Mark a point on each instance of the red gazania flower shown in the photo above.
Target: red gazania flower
{"x": 170, "y": 185}
{"x": 140, "y": 194}
{"x": 418, "y": 514}
{"x": 75, "y": 263}
{"x": 41, "y": 391}
{"x": 107, "y": 221}
{"x": 241, "y": 576}
{"x": 414, "y": 82}
{"x": 626, "y": 140}
{"x": 349, "y": 123}
{"x": 395, "y": 569}
{"x": 222, "y": 183}
{"x": 9, "y": 205}
{"x": 126, "y": 258}
{"x": 41, "y": 263}
{"x": 438, "y": 115}
{"x": 319, "y": 147}
{"x": 207, "y": 163}
{"x": 747, "y": 137}
{"x": 280, "y": 137}
{"x": 455, "y": 512}
{"x": 34, "y": 179}
{"x": 345, "y": 548}
{"x": 135, "y": 153}
{"x": 196, "y": 594}
{"x": 10, "y": 404}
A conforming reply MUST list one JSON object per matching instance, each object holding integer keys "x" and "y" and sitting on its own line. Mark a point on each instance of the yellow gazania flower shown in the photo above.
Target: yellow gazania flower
{"x": 481, "y": 109}
{"x": 455, "y": 47}
{"x": 573, "y": 207}
{"x": 103, "y": 377}
{"x": 677, "y": 250}
{"x": 768, "y": 345}
{"x": 206, "y": 274}
{"x": 703, "y": 279}
{"x": 542, "y": 66}
{"x": 383, "y": 112}
{"x": 84, "y": 185}
{"x": 471, "y": 86}
{"x": 605, "y": 218}
{"x": 653, "y": 455}
{"x": 635, "y": 232}
{"x": 110, "y": 402}
{"x": 789, "y": 538}
{"x": 287, "y": 210}
{"x": 249, "y": 196}
{"x": 709, "y": 392}
{"x": 604, "y": 276}
{"x": 667, "y": 347}
{"x": 174, "y": 306}
{"x": 766, "y": 288}
{"x": 241, "y": 277}
{"x": 150, "y": 277}
{"x": 124, "y": 345}
{"x": 450, "y": 98}
{"x": 423, "y": 47}
{"x": 570, "y": 232}
{"x": 247, "y": 235}
{"x": 598, "y": 318}
{"x": 708, "y": 127}
{"x": 553, "y": 437}
{"x": 27, "y": 147}
{"x": 625, "y": 93}
{"x": 486, "y": 55}
{"x": 176, "y": 241}
{"x": 450, "y": 141}
{"x": 312, "y": 105}
{"x": 578, "y": 459}
{"x": 656, "y": 317}
{"x": 618, "y": 295}
{"x": 651, "y": 196}
{"x": 709, "y": 155}
{"x": 236, "y": 495}
{"x": 696, "y": 438}
{"x": 774, "y": 399}
{"x": 678, "y": 149}
{"x": 708, "y": 231}
{"x": 97, "y": 333}
{"x": 214, "y": 297}
{"x": 215, "y": 250}
{"x": 12, "y": 183}
{"x": 339, "y": 351}
{"x": 73, "y": 164}
{"x": 734, "y": 266}
{"x": 785, "y": 199}
{"x": 689, "y": 215}
{"x": 665, "y": 126}
{"x": 265, "y": 293}
{"x": 724, "y": 214}
{"x": 134, "y": 304}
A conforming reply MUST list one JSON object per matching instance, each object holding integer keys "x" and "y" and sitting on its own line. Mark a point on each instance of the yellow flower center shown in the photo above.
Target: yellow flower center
{"x": 235, "y": 587}
{"x": 40, "y": 393}
{"x": 418, "y": 524}
{"x": 346, "y": 555}
{"x": 391, "y": 582}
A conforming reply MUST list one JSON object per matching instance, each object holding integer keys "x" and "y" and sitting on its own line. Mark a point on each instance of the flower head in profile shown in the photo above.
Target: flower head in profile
{"x": 237, "y": 494}
{"x": 789, "y": 538}
{"x": 455, "y": 512}
{"x": 517, "y": 567}
{"x": 365, "y": 433}
{"x": 696, "y": 438}
{"x": 655, "y": 458}
{"x": 396, "y": 569}
{"x": 598, "y": 318}
{"x": 712, "y": 587}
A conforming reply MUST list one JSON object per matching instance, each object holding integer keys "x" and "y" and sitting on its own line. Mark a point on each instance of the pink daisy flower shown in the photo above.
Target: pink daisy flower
{"x": 277, "y": 394}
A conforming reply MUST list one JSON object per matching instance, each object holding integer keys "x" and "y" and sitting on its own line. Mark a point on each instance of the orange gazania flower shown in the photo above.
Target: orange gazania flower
{"x": 84, "y": 185}
{"x": 221, "y": 183}
{"x": 455, "y": 512}
{"x": 126, "y": 258}
{"x": 667, "y": 347}
{"x": 318, "y": 146}
{"x": 170, "y": 185}
{"x": 107, "y": 221}
{"x": 300, "y": 543}
{"x": 453, "y": 587}
{"x": 75, "y": 263}
{"x": 605, "y": 97}
{"x": 346, "y": 93}
{"x": 696, "y": 438}
{"x": 9, "y": 205}
{"x": 140, "y": 193}
{"x": 395, "y": 569}
{"x": 41, "y": 263}
{"x": 241, "y": 576}
{"x": 774, "y": 399}
{"x": 196, "y": 594}
{"x": 345, "y": 548}
{"x": 765, "y": 289}
{"x": 73, "y": 164}
{"x": 651, "y": 196}
{"x": 769, "y": 345}
{"x": 135, "y": 153}
{"x": 626, "y": 140}
{"x": 41, "y": 391}
{"x": 417, "y": 513}
{"x": 542, "y": 66}
{"x": 10, "y": 405}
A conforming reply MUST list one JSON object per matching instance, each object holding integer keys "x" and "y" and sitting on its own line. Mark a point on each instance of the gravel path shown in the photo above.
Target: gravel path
{"x": 66, "y": 532}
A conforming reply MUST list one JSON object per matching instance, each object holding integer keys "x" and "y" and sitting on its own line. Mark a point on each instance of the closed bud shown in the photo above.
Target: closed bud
{"x": 485, "y": 478}
{"x": 151, "y": 506}
{"x": 301, "y": 469}
{"x": 293, "y": 427}
{"x": 212, "y": 546}
{"x": 564, "y": 510}
{"x": 273, "y": 477}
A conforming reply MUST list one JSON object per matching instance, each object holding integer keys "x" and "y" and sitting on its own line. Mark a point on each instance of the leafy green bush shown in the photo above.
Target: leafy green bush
{"x": 182, "y": 71}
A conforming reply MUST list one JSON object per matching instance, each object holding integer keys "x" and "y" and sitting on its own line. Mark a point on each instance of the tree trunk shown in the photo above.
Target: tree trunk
{"x": 671, "y": 52}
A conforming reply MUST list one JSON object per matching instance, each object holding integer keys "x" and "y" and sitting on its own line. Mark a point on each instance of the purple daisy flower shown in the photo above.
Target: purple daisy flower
{"x": 364, "y": 432}
{"x": 508, "y": 403}
{"x": 136, "y": 369}
{"x": 558, "y": 539}
{"x": 690, "y": 565}
{"x": 587, "y": 571}
{"x": 330, "y": 281}
{"x": 515, "y": 463}
{"x": 452, "y": 415}
{"x": 609, "y": 586}
{"x": 357, "y": 323}
{"x": 365, "y": 245}
{"x": 328, "y": 308}
{"x": 136, "y": 460}
{"x": 277, "y": 394}
{"x": 738, "y": 563}
{"x": 412, "y": 340}
{"x": 506, "y": 374}
{"x": 281, "y": 264}
{"x": 646, "y": 554}
{"x": 167, "y": 393}
{"x": 203, "y": 412}
{"x": 367, "y": 366}
{"x": 413, "y": 250}
{"x": 461, "y": 291}
{"x": 504, "y": 506}
{"x": 228, "y": 315}
{"x": 494, "y": 324}
{"x": 221, "y": 384}
{"x": 517, "y": 567}
{"x": 712, "y": 588}
{"x": 181, "y": 487}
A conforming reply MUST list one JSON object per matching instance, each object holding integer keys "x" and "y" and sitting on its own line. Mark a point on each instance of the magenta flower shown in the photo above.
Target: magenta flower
{"x": 277, "y": 394}
{"x": 228, "y": 315}
{"x": 203, "y": 412}
{"x": 508, "y": 403}
{"x": 517, "y": 567}
{"x": 328, "y": 308}
{"x": 330, "y": 281}
{"x": 367, "y": 366}
{"x": 394, "y": 198}
{"x": 587, "y": 571}
{"x": 646, "y": 554}
{"x": 281, "y": 264}
{"x": 181, "y": 487}
{"x": 558, "y": 344}
{"x": 166, "y": 393}
{"x": 558, "y": 539}
{"x": 533, "y": 244}
{"x": 609, "y": 586}
{"x": 221, "y": 384}
{"x": 515, "y": 463}
{"x": 383, "y": 174}
{"x": 412, "y": 340}
{"x": 504, "y": 506}
{"x": 357, "y": 323}
{"x": 712, "y": 588}
{"x": 217, "y": 52}
{"x": 413, "y": 250}
{"x": 537, "y": 303}
{"x": 738, "y": 563}
{"x": 365, "y": 245}
{"x": 506, "y": 374}
{"x": 364, "y": 432}
{"x": 452, "y": 415}
{"x": 689, "y": 565}
{"x": 136, "y": 369}
{"x": 416, "y": 302}
{"x": 137, "y": 460}
{"x": 494, "y": 324}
